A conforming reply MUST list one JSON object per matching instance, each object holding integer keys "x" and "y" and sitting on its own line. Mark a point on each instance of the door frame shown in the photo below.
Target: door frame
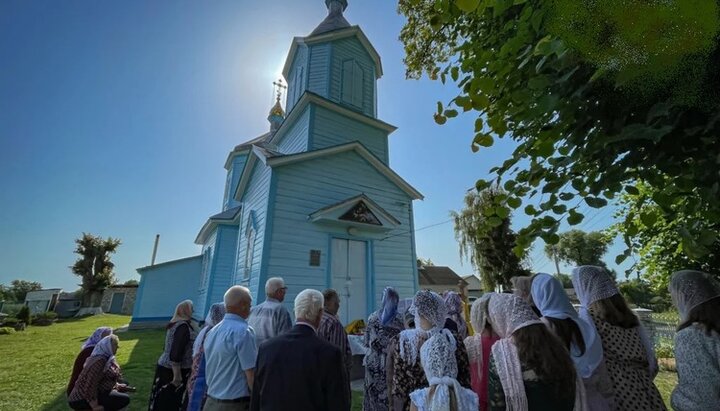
{"x": 369, "y": 269}
{"x": 124, "y": 293}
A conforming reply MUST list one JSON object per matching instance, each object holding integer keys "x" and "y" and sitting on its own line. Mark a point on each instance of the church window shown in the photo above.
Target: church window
{"x": 353, "y": 77}
{"x": 207, "y": 256}
{"x": 249, "y": 252}
{"x": 298, "y": 83}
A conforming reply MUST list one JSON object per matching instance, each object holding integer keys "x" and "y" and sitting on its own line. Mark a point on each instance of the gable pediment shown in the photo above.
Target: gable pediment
{"x": 358, "y": 211}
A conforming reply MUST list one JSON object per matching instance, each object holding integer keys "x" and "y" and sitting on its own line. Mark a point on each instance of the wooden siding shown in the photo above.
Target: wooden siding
{"x": 163, "y": 286}
{"x": 295, "y": 139}
{"x": 236, "y": 169}
{"x": 332, "y": 129}
{"x": 255, "y": 201}
{"x": 305, "y": 187}
{"x": 298, "y": 77}
{"x": 223, "y": 266}
{"x": 352, "y": 49}
{"x": 319, "y": 69}
{"x": 210, "y": 247}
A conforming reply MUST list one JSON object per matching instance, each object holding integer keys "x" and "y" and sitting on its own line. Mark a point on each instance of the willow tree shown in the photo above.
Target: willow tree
{"x": 486, "y": 239}
{"x": 597, "y": 95}
{"x": 94, "y": 265}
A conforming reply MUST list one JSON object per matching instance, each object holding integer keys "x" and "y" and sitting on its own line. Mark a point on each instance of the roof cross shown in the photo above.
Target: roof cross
{"x": 278, "y": 88}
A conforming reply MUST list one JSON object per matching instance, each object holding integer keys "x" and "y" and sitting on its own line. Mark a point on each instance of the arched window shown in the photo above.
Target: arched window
{"x": 353, "y": 77}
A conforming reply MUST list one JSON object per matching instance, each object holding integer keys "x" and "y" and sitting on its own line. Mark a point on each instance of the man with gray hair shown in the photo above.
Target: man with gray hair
{"x": 230, "y": 355}
{"x": 298, "y": 370}
{"x": 271, "y": 318}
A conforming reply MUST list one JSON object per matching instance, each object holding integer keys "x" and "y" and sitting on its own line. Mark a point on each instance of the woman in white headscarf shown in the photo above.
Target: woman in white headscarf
{"x": 627, "y": 350}
{"x": 87, "y": 348}
{"x": 445, "y": 393}
{"x": 430, "y": 314}
{"x": 97, "y": 386}
{"x": 478, "y": 348}
{"x": 196, "y": 385}
{"x": 579, "y": 338}
{"x": 697, "y": 342}
{"x": 529, "y": 367}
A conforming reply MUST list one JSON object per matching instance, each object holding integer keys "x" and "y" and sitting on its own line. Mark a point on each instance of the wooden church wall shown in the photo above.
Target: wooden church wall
{"x": 298, "y": 76}
{"x": 221, "y": 269}
{"x": 332, "y": 129}
{"x": 319, "y": 69}
{"x": 209, "y": 250}
{"x": 236, "y": 169}
{"x": 352, "y": 49}
{"x": 308, "y": 186}
{"x": 295, "y": 140}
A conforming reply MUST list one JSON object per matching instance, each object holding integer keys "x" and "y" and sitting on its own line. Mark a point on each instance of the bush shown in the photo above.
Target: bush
{"x": 24, "y": 314}
{"x": 665, "y": 348}
{"x": 6, "y": 330}
{"x": 48, "y": 315}
{"x": 10, "y": 322}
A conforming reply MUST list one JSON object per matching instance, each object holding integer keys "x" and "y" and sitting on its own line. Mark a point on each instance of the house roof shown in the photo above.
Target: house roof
{"x": 473, "y": 282}
{"x": 438, "y": 275}
{"x": 149, "y": 267}
{"x": 225, "y": 217}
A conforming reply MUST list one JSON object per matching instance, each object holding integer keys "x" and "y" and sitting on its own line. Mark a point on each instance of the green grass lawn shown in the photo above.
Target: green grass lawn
{"x": 35, "y": 364}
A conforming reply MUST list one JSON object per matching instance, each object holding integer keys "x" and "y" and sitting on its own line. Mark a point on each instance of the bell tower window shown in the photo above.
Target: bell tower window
{"x": 353, "y": 77}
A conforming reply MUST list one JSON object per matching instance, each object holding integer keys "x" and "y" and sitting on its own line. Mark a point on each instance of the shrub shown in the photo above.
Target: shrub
{"x": 6, "y": 330}
{"x": 10, "y": 322}
{"x": 48, "y": 315}
{"x": 665, "y": 348}
{"x": 24, "y": 314}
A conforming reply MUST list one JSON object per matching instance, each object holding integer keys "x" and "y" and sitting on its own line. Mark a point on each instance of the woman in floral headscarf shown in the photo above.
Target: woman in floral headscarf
{"x": 97, "y": 387}
{"x": 430, "y": 314}
{"x": 628, "y": 353}
{"x": 196, "y": 385}
{"x": 697, "y": 342}
{"x": 478, "y": 348}
{"x": 382, "y": 326}
{"x": 85, "y": 352}
{"x": 529, "y": 367}
{"x": 173, "y": 366}
{"x": 454, "y": 305}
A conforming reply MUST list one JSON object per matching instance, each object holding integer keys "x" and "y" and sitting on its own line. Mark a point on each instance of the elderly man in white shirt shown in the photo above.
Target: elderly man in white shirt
{"x": 271, "y": 318}
{"x": 230, "y": 356}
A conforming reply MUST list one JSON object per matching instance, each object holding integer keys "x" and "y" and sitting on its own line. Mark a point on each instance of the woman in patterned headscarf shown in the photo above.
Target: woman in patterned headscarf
{"x": 454, "y": 305}
{"x": 628, "y": 353}
{"x": 382, "y": 326}
{"x": 697, "y": 342}
{"x": 98, "y": 386}
{"x": 529, "y": 367}
{"x": 430, "y": 314}
{"x": 87, "y": 349}
{"x": 173, "y": 366}
{"x": 196, "y": 385}
{"x": 478, "y": 348}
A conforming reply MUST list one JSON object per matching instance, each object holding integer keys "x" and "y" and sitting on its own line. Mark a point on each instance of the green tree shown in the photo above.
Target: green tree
{"x": 19, "y": 288}
{"x": 94, "y": 265}
{"x": 487, "y": 240}
{"x": 131, "y": 282}
{"x": 660, "y": 241}
{"x": 577, "y": 247}
{"x": 595, "y": 98}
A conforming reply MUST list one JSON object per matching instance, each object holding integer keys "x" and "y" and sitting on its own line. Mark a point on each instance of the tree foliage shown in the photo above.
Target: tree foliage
{"x": 663, "y": 244}
{"x": 94, "y": 265}
{"x": 594, "y": 97}
{"x": 487, "y": 239}
{"x": 18, "y": 289}
{"x": 131, "y": 282}
{"x": 577, "y": 247}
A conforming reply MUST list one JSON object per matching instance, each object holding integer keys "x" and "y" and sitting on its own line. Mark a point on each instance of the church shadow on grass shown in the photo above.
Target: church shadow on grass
{"x": 138, "y": 354}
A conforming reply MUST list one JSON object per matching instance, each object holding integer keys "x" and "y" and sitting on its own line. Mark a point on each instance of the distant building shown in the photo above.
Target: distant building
{"x": 474, "y": 287}
{"x": 119, "y": 299}
{"x": 42, "y": 300}
{"x": 68, "y": 305}
{"x": 439, "y": 278}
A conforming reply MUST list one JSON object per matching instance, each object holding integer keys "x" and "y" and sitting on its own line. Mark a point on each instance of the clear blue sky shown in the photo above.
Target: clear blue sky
{"x": 116, "y": 119}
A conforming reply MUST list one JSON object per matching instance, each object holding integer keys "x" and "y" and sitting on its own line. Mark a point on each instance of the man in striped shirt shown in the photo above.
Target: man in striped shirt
{"x": 332, "y": 331}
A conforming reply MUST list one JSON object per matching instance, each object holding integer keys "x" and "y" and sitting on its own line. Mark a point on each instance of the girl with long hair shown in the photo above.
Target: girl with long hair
{"x": 478, "y": 348}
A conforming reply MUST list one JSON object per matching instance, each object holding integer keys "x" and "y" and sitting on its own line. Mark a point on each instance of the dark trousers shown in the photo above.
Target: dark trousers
{"x": 211, "y": 404}
{"x": 111, "y": 401}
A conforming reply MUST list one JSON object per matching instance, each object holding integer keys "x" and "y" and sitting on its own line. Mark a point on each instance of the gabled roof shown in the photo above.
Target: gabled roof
{"x": 360, "y": 150}
{"x": 308, "y": 98}
{"x": 245, "y": 147}
{"x": 438, "y": 275}
{"x": 334, "y": 213}
{"x": 226, "y": 217}
{"x": 149, "y": 267}
{"x": 337, "y": 34}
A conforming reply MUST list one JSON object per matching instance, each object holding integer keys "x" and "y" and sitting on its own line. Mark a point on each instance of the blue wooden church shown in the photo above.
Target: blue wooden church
{"x": 314, "y": 200}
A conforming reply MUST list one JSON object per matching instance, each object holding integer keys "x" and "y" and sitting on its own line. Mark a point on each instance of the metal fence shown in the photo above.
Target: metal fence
{"x": 660, "y": 326}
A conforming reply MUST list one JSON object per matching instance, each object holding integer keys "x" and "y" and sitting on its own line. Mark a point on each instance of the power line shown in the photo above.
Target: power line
{"x": 417, "y": 229}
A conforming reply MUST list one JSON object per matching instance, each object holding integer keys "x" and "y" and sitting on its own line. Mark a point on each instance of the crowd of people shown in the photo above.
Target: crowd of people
{"x": 530, "y": 350}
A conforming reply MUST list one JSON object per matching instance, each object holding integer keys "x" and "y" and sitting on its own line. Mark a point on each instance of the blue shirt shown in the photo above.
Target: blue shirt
{"x": 269, "y": 320}
{"x": 230, "y": 350}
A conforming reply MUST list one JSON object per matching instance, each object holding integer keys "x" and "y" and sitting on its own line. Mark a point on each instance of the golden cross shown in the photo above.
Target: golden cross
{"x": 279, "y": 86}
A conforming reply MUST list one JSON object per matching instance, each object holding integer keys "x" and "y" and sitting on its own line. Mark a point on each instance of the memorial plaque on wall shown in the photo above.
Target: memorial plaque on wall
{"x": 314, "y": 258}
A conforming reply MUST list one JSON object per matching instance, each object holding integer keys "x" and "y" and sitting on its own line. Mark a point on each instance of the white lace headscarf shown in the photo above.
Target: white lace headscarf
{"x": 508, "y": 313}
{"x": 437, "y": 357}
{"x": 454, "y": 304}
{"x": 689, "y": 289}
{"x": 214, "y": 316}
{"x": 478, "y": 320}
{"x": 105, "y": 349}
{"x": 550, "y": 298}
{"x": 431, "y": 307}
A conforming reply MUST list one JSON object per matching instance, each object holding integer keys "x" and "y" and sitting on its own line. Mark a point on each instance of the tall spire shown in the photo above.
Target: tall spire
{"x": 335, "y": 19}
{"x": 277, "y": 114}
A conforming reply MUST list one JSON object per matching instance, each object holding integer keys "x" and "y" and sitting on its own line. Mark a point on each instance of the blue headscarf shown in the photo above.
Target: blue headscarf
{"x": 96, "y": 336}
{"x": 550, "y": 298}
{"x": 390, "y": 300}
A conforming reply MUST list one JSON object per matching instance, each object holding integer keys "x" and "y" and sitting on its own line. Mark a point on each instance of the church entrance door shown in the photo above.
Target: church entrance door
{"x": 349, "y": 278}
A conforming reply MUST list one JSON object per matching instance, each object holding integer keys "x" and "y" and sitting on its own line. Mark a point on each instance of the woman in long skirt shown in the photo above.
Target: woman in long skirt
{"x": 173, "y": 366}
{"x": 197, "y": 385}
